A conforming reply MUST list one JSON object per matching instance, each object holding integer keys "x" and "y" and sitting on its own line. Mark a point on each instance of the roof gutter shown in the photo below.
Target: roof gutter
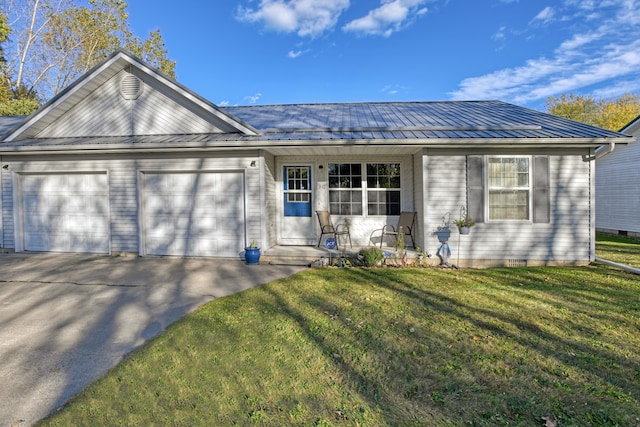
{"x": 599, "y": 152}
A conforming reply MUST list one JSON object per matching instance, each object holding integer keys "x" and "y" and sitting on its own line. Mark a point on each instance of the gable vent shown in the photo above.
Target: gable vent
{"x": 130, "y": 87}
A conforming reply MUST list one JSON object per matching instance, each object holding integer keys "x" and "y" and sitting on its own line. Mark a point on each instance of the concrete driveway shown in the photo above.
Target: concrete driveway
{"x": 66, "y": 319}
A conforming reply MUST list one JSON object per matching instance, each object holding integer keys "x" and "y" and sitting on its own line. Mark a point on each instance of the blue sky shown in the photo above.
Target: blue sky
{"x": 244, "y": 52}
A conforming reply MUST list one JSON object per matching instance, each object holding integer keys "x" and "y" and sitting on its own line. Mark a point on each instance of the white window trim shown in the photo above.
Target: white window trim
{"x": 489, "y": 188}
{"x": 364, "y": 188}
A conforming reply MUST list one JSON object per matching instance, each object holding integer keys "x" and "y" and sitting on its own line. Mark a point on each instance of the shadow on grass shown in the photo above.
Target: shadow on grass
{"x": 490, "y": 347}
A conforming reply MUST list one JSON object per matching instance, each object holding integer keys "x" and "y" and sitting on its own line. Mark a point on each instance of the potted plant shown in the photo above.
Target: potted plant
{"x": 252, "y": 253}
{"x": 464, "y": 224}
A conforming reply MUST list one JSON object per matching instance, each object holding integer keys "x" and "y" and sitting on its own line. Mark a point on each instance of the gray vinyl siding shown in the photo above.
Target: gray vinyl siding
{"x": 123, "y": 188}
{"x": 271, "y": 210}
{"x": 618, "y": 190}
{"x": 419, "y": 181}
{"x": 445, "y": 192}
{"x": 153, "y": 113}
{"x": 7, "y": 208}
{"x": 566, "y": 237}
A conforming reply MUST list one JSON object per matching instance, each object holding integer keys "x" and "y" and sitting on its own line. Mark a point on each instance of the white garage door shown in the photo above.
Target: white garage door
{"x": 194, "y": 214}
{"x": 65, "y": 212}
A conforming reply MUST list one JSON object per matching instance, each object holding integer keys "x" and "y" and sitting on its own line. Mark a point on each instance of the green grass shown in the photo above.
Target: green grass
{"x": 397, "y": 347}
{"x": 621, "y": 249}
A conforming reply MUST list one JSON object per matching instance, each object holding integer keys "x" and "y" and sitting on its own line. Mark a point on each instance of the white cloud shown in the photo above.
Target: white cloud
{"x": 393, "y": 89}
{"x": 296, "y": 53}
{"x": 391, "y": 16}
{"x": 252, "y": 99}
{"x": 223, "y": 103}
{"x": 500, "y": 35}
{"x": 305, "y": 17}
{"x": 595, "y": 59}
{"x": 545, "y": 15}
{"x": 617, "y": 88}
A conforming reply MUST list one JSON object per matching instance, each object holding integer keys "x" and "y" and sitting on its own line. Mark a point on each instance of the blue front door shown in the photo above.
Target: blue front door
{"x": 298, "y": 222}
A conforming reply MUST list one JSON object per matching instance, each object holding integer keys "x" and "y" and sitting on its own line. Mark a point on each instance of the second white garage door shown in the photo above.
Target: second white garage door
{"x": 193, "y": 214}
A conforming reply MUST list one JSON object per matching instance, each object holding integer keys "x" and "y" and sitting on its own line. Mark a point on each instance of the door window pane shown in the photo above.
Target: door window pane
{"x": 297, "y": 191}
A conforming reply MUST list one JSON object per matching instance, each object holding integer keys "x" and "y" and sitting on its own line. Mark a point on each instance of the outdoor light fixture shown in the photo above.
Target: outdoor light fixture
{"x": 5, "y": 166}
{"x": 320, "y": 167}
{"x": 253, "y": 163}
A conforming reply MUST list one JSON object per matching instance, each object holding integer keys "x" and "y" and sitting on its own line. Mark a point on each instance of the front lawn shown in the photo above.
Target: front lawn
{"x": 620, "y": 249}
{"x": 397, "y": 347}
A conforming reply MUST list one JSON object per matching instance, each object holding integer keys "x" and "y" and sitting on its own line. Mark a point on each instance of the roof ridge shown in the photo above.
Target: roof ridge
{"x": 364, "y": 103}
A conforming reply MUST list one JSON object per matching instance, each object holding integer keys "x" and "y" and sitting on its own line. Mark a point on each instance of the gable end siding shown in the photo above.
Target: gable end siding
{"x": 105, "y": 112}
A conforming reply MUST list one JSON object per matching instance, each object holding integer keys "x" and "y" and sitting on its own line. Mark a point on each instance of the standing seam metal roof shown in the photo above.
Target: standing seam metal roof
{"x": 446, "y": 119}
{"x": 395, "y": 121}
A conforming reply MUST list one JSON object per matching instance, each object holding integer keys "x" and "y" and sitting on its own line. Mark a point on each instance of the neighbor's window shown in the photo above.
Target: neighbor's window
{"x": 509, "y": 188}
{"x": 352, "y": 186}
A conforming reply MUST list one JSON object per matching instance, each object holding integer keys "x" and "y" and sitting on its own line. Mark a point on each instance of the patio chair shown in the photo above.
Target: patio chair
{"x": 406, "y": 223}
{"x": 326, "y": 227}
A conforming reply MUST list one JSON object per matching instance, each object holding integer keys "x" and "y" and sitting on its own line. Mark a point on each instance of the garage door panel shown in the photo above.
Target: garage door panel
{"x": 231, "y": 185}
{"x": 229, "y": 227}
{"x": 193, "y": 214}
{"x": 65, "y": 212}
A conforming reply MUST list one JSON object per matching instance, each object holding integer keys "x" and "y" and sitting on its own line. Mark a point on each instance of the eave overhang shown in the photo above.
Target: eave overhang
{"x": 181, "y": 143}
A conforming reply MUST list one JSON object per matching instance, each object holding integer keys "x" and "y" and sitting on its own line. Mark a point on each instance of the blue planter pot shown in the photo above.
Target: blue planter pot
{"x": 252, "y": 255}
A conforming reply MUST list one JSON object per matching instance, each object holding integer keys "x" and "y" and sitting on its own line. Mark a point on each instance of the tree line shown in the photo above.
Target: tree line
{"x": 608, "y": 114}
{"x": 47, "y": 44}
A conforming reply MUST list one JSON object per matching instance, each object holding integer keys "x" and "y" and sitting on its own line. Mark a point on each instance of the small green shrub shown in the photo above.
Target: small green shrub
{"x": 370, "y": 256}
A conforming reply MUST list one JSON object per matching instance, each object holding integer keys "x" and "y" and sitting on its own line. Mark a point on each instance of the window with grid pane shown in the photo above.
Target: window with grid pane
{"x": 509, "y": 188}
{"x": 345, "y": 188}
{"x": 383, "y": 188}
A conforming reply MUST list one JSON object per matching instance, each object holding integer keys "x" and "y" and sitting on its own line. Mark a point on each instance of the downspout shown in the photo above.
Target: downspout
{"x": 599, "y": 152}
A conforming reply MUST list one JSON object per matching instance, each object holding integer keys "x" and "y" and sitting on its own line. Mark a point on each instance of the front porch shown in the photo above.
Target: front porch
{"x": 311, "y": 255}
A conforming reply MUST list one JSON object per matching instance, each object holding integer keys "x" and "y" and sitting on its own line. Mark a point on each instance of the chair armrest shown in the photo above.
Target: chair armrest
{"x": 389, "y": 229}
{"x": 327, "y": 229}
{"x": 341, "y": 229}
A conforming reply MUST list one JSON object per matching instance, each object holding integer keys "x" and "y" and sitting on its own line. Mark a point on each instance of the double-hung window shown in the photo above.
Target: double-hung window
{"x": 345, "y": 188}
{"x": 355, "y": 188}
{"x": 383, "y": 188}
{"x": 509, "y": 180}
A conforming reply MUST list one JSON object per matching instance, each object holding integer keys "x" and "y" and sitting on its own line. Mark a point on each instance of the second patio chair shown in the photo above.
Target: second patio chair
{"x": 327, "y": 227}
{"x": 406, "y": 223}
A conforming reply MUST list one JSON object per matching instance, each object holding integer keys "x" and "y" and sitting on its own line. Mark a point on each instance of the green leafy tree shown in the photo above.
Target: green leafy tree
{"x": 13, "y": 101}
{"x": 5, "y": 87}
{"x": 607, "y": 114}
{"x": 56, "y": 41}
{"x": 153, "y": 51}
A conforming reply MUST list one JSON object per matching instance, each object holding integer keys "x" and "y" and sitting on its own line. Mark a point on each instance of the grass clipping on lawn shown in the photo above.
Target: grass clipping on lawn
{"x": 400, "y": 347}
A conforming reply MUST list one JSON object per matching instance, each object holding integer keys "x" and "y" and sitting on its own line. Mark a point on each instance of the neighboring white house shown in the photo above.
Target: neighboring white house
{"x": 128, "y": 160}
{"x": 618, "y": 187}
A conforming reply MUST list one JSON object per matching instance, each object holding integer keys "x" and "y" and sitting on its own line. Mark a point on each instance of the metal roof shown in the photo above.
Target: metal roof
{"x": 9, "y": 122}
{"x": 394, "y": 124}
{"x": 411, "y": 120}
